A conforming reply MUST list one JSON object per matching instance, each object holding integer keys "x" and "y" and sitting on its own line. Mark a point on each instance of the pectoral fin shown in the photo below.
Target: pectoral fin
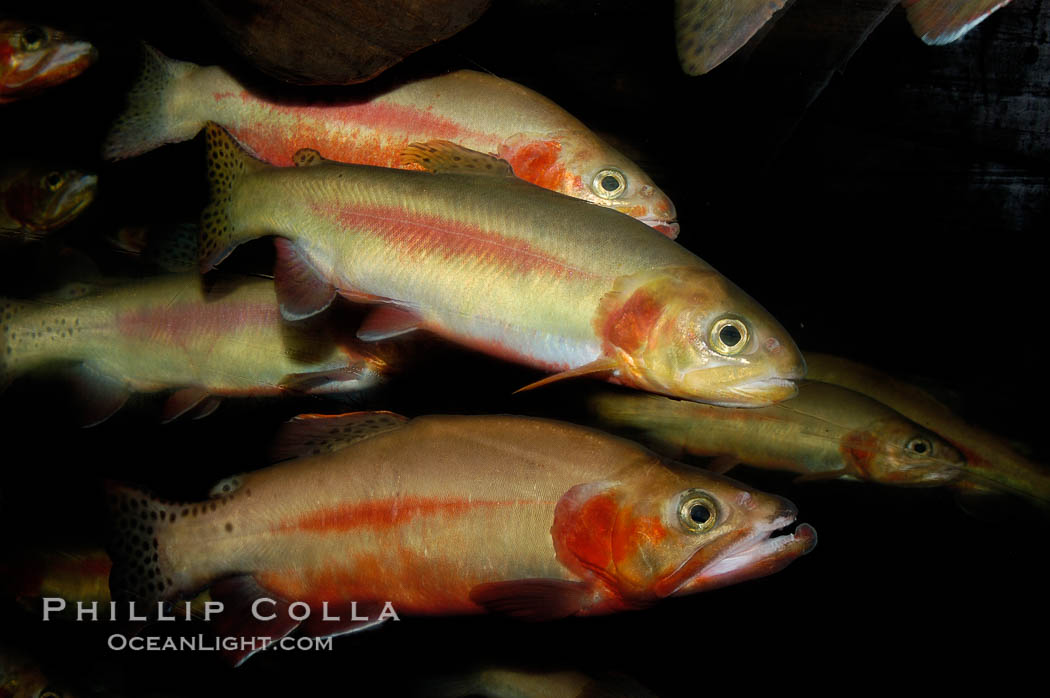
{"x": 97, "y": 396}
{"x": 939, "y": 22}
{"x": 182, "y": 401}
{"x": 603, "y": 365}
{"x": 532, "y": 599}
{"x": 448, "y": 158}
{"x": 301, "y": 290}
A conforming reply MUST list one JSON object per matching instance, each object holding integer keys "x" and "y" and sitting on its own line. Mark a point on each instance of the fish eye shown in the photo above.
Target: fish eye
{"x": 33, "y": 38}
{"x": 697, "y": 511}
{"x": 919, "y": 446}
{"x": 54, "y": 180}
{"x": 609, "y": 183}
{"x": 729, "y": 336}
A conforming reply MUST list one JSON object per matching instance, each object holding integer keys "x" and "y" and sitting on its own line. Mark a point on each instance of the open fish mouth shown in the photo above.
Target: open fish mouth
{"x": 768, "y": 554}
{"x": 766, "y": 551}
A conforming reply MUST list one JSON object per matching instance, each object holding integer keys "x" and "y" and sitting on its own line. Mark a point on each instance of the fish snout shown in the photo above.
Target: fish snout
{"x": 784, "y": 512}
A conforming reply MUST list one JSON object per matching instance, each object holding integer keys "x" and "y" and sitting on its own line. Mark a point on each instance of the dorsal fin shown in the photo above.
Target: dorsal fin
{"x": 308, "y": 157}
{"x": 445, "y": 157}
{"x": 313, "y": 434}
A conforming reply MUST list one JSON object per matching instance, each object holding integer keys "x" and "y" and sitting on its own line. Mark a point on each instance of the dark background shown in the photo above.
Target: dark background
{"x": 890, "y": 208}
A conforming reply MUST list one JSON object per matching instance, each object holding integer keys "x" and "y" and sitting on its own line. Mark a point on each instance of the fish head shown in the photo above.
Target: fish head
{"x": 666, "y": 529}
{"x": 896, "y": 451}
{"x": 693, "y": 334}
{"x": 580, "y": 165}
{"x": 35, "y": 57}
{"x": 43, "y": 199}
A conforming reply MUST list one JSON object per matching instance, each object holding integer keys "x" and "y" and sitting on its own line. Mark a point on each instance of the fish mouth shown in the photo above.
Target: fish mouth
{"x": 761, "y": 393}
{"x": 668, "y": 228}
{"x": 766, "y": 551}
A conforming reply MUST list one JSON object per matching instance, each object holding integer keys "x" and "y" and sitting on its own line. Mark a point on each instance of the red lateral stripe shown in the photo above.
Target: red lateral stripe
{"x": 420, "y": 236}
{"x": 369, "y": 133}
{"x": 180, "y": 321}
{"x": 386, "y": 513}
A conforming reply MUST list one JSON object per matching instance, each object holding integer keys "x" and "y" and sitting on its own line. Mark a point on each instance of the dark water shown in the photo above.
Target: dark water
{"x": 896, "y": 221}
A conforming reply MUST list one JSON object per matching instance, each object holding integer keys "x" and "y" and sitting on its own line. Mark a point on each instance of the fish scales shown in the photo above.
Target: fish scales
{"x": 374, "y": 519}
{"x": 462, "y": 249}
{"x": 164, "y": 332}
{"x": 173, "y": 100}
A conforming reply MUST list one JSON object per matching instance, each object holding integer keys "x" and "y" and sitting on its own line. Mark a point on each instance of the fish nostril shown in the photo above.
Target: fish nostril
{"x": 785, "y": 510}
{"x": 646, "y": 191}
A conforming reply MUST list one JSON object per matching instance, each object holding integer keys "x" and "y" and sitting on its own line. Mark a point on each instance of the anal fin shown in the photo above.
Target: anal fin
{"x": 388, "y": 321}
{"x": 238, "y": 618}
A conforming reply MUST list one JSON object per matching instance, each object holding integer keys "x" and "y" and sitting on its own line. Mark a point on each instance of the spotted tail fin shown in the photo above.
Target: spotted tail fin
{"x": 143, "y": 570}
{"x": 153, "y": 116}
{"x": 227, "y": 164}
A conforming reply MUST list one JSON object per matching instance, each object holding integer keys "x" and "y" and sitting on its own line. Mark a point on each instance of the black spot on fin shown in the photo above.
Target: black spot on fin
{"x": 301, "y": 290}
{"x": 313, "y": 434}
{"x": 532, "y": 599}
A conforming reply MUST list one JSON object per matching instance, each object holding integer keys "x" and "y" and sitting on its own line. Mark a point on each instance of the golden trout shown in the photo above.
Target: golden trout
{"x": 35, "y": 199}
{"x": 991, "y": 464}
{"x": 447, "y": 515}
{"x": 825, "y": 432}
{"x": 34, "y": 57}
{"x": 506, "y": 267}
{"x": 169, "y": 332}
{"x": 543, "y": 143}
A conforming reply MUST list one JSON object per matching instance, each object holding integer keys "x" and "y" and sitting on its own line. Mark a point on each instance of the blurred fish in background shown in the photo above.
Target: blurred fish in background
{"x": 34, "y": 57}
{"x": 36, "y": 199}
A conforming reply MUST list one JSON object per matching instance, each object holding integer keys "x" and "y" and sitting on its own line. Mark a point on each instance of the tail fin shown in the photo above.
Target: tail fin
{"x": 939, "y": 22}
{"x": 227, "y": 163}
{"x": 142, "y": 569}
{"x": 151, "y": 119}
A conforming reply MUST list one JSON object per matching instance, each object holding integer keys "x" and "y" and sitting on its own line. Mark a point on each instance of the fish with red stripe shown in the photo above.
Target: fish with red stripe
{"x": 446, "y": 515}
{"x": 487, "y": 260}
{"x": 173, "y": 100}
{"x": 173, "y": 333}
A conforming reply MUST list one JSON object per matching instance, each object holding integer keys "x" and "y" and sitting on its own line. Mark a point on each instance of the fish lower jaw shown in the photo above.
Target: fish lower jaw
{"x": 759, "y": 393}
{"x": 775, "y": 549}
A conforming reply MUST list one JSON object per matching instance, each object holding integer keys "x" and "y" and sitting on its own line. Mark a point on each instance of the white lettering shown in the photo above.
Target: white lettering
{"x": 123, "y": 642}
{"x": 131, "y": 613}
{"x": 160, "y": 612}
{"x": 353, "y": 612}
{"x": 388, "y": 612}
{"x": 53, "y": 604}
{"x": 306, "y": 613}
{"x": 81, "y": 611}
{"x": 212, "y": 607}
{"x": 255, "y": 609}
{"x": 324, "y": 611}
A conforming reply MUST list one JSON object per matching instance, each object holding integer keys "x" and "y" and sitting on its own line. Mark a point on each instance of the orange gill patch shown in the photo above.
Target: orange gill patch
{"x": 858, "y": 449}
{"x": 628, "y": 326}
{"x": 537, "y": 162}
